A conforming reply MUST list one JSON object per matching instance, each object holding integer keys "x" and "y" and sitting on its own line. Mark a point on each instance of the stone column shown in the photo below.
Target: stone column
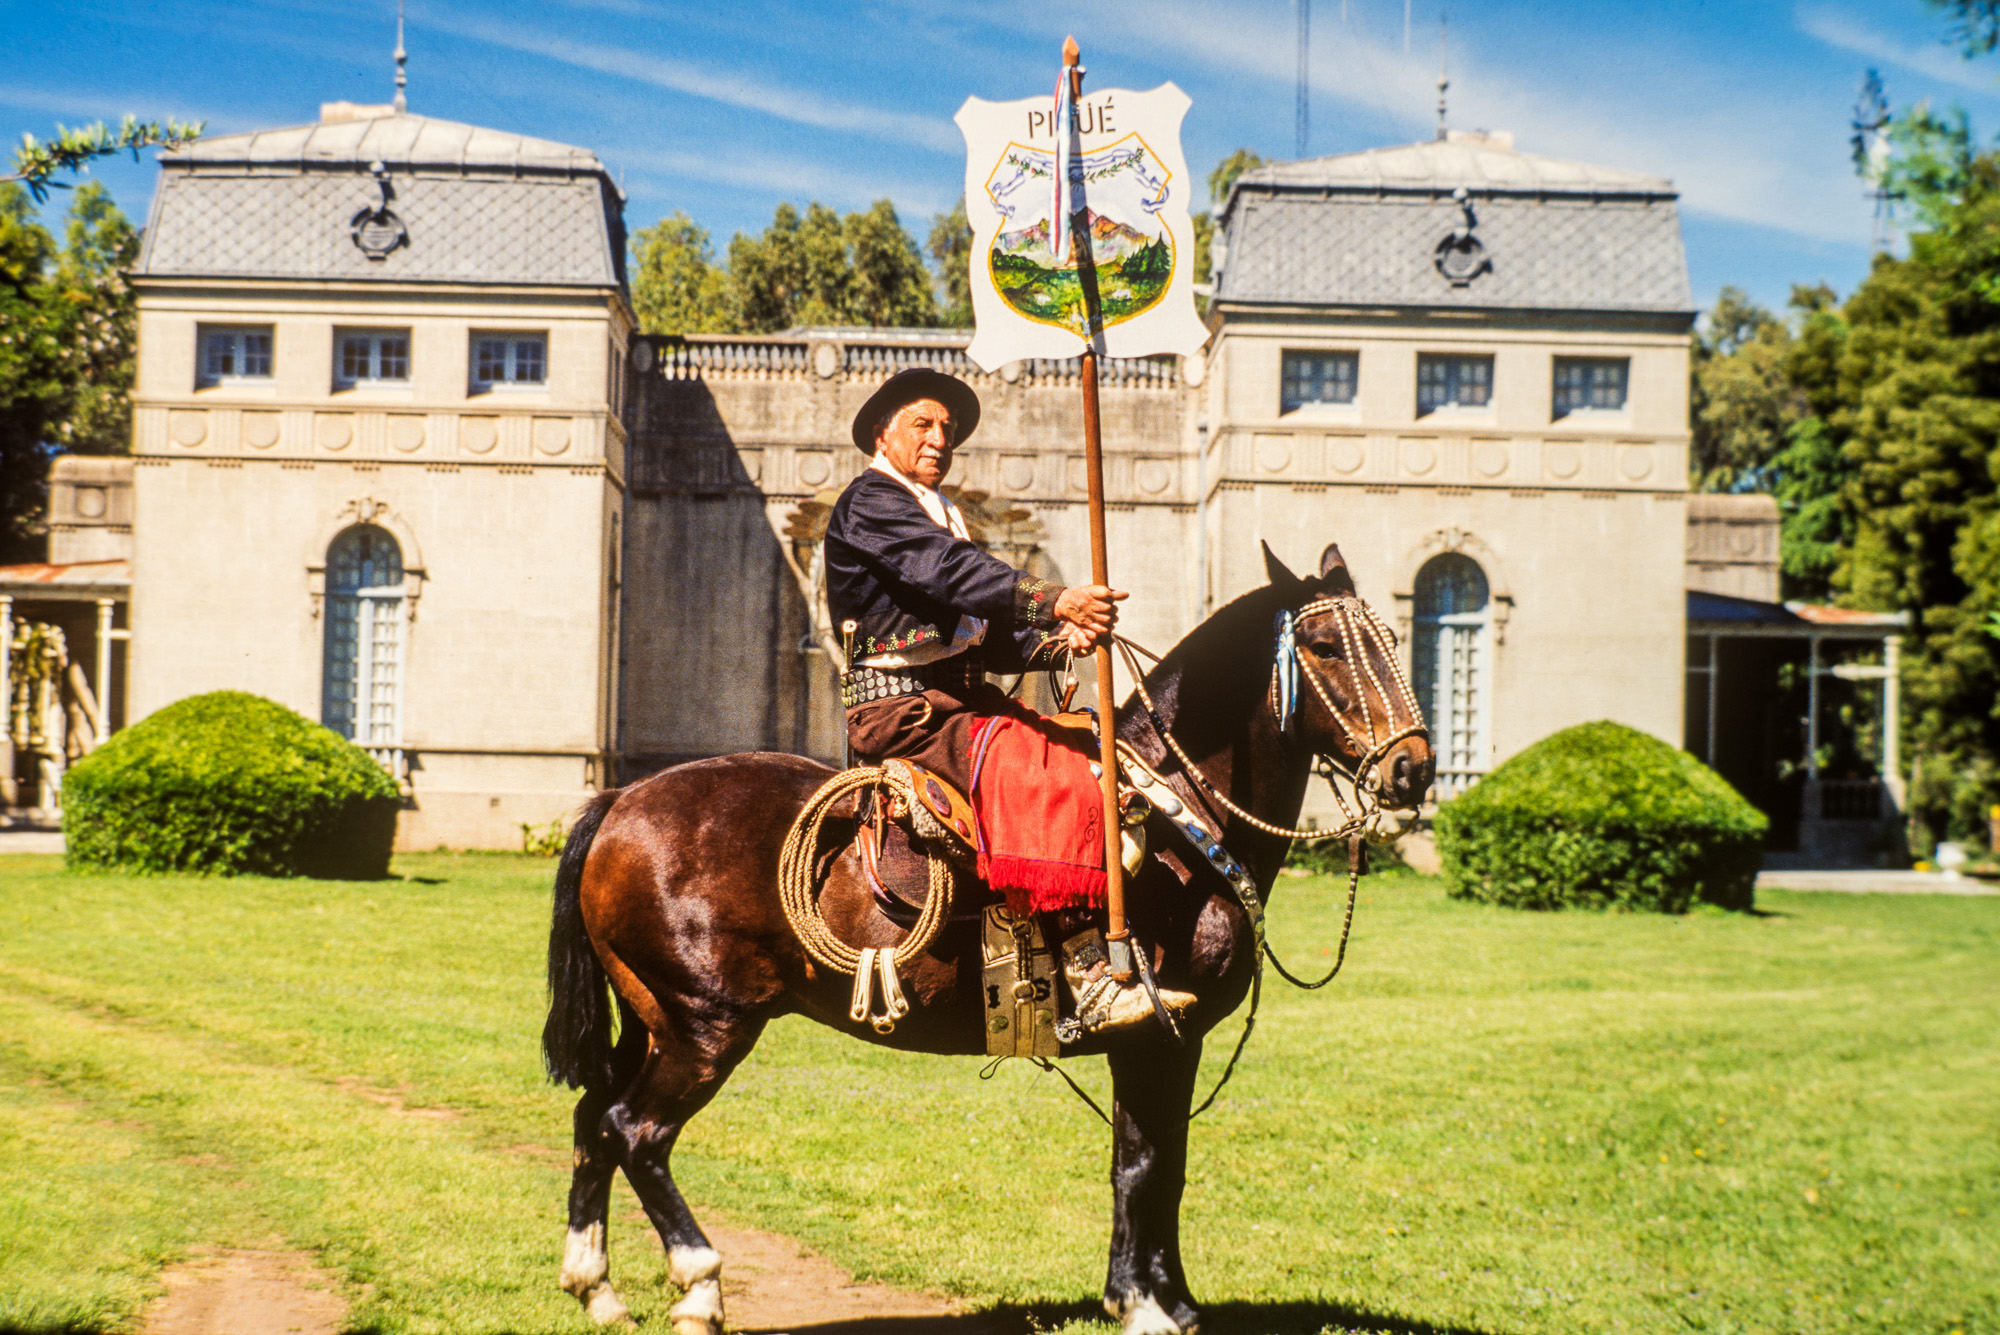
{"x": 1892, "y": 719}
{"x": 105, "y": 610}
{"x": 9, "y": 794}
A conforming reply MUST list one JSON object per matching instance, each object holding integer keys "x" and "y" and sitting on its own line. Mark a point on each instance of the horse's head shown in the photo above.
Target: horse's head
{"x": 1339, "y": 688}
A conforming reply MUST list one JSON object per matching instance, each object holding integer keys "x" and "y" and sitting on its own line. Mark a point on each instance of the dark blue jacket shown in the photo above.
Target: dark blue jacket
{"x": 906, "y": 581}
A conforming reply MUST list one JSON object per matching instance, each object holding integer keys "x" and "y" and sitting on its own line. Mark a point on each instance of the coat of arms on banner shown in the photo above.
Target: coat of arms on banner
{"x": 1129, "y": 189}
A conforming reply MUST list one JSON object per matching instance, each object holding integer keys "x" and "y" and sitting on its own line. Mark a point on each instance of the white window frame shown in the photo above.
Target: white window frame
{"x": 377, "y": 354}
{"x": 1464, "y": 755}
{"x": 1558, "y": 412}
{"x": 240, "y": 351}
{"x": 1287, "y": 406}
{"x": 1455, "y": 405}
{"x": 513, "y": 340}
{"x": 369, "y": 611}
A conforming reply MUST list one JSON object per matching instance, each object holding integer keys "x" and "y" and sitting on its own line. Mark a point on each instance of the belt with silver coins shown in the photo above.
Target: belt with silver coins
{"x": 865, "y": 685}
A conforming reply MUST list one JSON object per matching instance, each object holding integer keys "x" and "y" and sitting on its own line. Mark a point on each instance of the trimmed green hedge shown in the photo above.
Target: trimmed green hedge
{"x": 1601, "y": 816}
{"x": 231, "y": 783}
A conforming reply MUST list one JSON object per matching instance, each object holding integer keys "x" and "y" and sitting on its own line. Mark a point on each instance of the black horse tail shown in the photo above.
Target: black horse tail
{"x": 576, "y": 1041}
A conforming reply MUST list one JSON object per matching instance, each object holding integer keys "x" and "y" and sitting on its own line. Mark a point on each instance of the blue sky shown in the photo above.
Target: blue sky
{"x": 724, "y": 110}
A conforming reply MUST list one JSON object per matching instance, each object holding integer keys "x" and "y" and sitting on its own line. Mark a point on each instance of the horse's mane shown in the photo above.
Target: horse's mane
{"x": 1220, "y": 669}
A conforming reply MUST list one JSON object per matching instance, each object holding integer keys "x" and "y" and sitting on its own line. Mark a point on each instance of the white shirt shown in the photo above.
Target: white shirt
{"x": 971, "y": 630}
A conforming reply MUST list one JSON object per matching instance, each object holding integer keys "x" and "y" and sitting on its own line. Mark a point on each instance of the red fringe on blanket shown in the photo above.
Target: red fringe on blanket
{"x": 1041, "y": 814}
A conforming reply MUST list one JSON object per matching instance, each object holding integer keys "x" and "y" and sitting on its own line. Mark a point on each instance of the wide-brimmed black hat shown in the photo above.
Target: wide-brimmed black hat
{"x": 919, "y": 382}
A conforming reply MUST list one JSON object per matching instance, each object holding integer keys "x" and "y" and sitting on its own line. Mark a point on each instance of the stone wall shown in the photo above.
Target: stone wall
{"x": 735, "y": 439}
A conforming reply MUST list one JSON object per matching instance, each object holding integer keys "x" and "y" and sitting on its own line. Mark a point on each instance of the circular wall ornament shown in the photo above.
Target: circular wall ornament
{"x": 479, "y": 434}
{"x": 378, "y": 232}
{"x": 1273, "y": 452}
{"x": 260, "y": 430}
{"x": 1153, "y": 476}
{"x": 1017, "y": 471}
{"x": 1461, "y": 259}
{"x": 1419, "y": 457}
{"x": 643, "y": 356}
{"x": 827, "y": 359}
{"x": 1345, "y": 454}
{"x": 1490, "y": 457}
{"x": 1563, "y": 460}
{"x": 406, "y": 432}
{"x": 187, "y": 428}
{"x": 333, "y": 431}
{"x": 551, "y": 434}
{"x": 815, "y": 467}
{"x": 90, "y": 502}
{"x": 1635, "y": 461}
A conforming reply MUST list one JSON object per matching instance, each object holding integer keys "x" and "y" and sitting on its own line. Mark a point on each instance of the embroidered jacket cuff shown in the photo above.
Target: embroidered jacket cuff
{"x": 1035, "y": 602}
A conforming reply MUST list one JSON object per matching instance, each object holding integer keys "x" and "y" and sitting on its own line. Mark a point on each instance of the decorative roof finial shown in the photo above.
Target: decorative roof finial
{"x": 1443, "y": 81}
{"x": 402, "y": 59}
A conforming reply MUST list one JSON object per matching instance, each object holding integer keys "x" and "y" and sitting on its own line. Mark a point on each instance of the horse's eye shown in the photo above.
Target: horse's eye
{"x": 1324, "y": 651}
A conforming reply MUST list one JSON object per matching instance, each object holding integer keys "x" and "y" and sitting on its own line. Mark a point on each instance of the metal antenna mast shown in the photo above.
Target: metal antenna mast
{"x": 402, "y": 60}
{"x": 1305, "y": 67}
{"x": 1444, "y": 81}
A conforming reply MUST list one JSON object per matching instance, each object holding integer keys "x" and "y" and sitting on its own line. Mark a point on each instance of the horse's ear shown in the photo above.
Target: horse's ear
{"x": 1280, "y": 576}
{"x": 1333, "y": 576}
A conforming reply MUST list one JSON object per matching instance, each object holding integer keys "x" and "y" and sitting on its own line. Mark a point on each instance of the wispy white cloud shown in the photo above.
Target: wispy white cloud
{"x": 800, "y": 181}
{"x": 1846, "y": 33}
{"x": 1778, "y": 177}
{"x": 727, "y": 88}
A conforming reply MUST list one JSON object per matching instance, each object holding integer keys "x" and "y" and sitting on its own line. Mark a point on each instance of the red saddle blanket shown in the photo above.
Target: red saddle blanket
{"x": 1041, "y": 818}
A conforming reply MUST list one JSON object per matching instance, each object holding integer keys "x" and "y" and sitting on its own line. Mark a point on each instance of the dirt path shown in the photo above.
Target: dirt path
{"x": 246, "y": 1293}
{"x": 770, "y": 1284}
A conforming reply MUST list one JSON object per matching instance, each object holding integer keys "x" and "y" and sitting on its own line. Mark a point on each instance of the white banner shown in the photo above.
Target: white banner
{"x": 1127, "y": 176}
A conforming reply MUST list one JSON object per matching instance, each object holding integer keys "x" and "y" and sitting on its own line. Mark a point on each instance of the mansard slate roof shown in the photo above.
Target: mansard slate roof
{"x": 475, "y": 206}
{"x": 1362, "y": 229}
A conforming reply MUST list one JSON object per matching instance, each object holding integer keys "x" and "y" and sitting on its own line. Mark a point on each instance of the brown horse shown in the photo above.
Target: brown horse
{"x": 668, "y": 890}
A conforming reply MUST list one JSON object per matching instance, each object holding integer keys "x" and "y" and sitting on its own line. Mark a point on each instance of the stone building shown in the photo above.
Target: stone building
{"x": 401, "y": 463}
{"x": 379, "y": 451}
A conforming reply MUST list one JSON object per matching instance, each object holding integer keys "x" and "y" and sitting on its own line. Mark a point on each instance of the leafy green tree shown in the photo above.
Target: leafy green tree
{"x": 1743, "y": 398}
{"x": 1227, "y": 170}
{"x": 821, "y": 269}
{"x": 890, "y": 284}
{"x": 677, "y": 288}
{"x": 950, "y": 248}
{"x": 66, "y": 349}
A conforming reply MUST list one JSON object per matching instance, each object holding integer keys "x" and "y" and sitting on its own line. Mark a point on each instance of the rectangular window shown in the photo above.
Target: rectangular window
{"x": 1453, "y": 380}
{"x": 242, "y": 352}
{"x": 509, "y": 359}
{"x": 1313, "y": 378}
{"x": 1590, "y": 383}
{"x": 371, "y": 357}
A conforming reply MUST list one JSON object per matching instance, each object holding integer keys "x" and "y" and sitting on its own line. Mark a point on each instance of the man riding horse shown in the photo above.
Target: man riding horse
{"x": 926, "y": 615}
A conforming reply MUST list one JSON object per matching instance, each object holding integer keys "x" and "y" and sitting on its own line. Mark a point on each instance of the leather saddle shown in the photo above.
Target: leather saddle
{"x": 912, "y": 816}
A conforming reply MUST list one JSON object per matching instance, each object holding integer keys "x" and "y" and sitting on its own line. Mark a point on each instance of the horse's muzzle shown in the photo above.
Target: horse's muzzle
{"x": 1406, "y": 774}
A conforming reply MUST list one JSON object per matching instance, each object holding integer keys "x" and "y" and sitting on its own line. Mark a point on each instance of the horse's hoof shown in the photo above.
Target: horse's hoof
{"x": 1140, "y": 1314}
{"x": 699, "y": 1312}
{"x": 606, "y": 1309}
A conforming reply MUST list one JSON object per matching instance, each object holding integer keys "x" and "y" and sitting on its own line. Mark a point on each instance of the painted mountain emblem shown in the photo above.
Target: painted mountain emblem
{"x": 1124, "y": 187}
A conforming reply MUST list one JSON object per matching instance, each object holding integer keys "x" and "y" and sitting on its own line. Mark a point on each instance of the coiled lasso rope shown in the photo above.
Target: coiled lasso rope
{"x": 796, "y": 893}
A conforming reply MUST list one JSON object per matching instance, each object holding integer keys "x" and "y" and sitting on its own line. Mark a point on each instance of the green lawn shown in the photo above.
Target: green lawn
{"x": 1495, "y": 1121}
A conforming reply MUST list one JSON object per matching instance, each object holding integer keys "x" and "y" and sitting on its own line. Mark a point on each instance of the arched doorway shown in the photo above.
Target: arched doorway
{"x": 1451, "y": 666}
{"x": 361, "y": 693}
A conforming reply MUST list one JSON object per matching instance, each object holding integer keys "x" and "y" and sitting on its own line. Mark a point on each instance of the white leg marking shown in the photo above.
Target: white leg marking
{"x": 1141, "y": 1315}
{"x": 586, "y": 1273}
{"x": 697, "y": 1271}
{"x": 586, "y": 1263}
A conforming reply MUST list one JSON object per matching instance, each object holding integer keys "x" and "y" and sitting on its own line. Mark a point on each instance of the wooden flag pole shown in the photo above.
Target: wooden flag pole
{"x": 1118, "y": 939}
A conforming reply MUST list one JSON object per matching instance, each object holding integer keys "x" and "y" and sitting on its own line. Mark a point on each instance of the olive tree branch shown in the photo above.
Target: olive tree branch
{"x": 36, "y": 163}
